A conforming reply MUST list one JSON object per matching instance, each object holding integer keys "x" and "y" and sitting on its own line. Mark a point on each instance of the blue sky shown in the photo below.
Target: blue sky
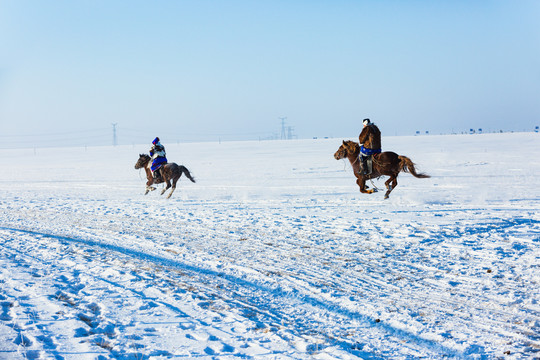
{"x": 208, "y": 70}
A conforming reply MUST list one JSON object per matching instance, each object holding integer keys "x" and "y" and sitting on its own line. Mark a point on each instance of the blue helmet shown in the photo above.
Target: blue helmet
{"x": 156, "y": 140}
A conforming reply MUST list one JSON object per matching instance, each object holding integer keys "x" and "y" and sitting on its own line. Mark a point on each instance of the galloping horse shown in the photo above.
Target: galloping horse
{"x": 386, "y": 163}
{"x": 170, "y": 171}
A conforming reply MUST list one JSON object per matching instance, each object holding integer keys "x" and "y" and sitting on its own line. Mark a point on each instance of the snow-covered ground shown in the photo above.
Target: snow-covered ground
{"x": 272, "y": 254}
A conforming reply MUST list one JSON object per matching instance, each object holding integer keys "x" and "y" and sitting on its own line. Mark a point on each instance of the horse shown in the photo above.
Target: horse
{"x": 169, "y": 172}
{"x": 387, "y": 163}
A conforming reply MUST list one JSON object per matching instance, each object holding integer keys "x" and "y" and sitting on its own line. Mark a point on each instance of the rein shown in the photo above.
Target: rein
{"x": 376, "y": 162}
{"x": 374, "y": 186}
{"x": 142, "y": 168}
{"x": 352, "y": 163}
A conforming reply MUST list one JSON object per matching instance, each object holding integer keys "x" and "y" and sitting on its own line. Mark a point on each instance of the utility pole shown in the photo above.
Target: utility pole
{"x": 114, "y": 134}
{"x": 283, "y": 132}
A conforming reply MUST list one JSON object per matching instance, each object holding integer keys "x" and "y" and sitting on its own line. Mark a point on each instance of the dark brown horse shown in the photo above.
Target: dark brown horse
{"x": 386, "y": 163}
{"x": 169, "y": 172}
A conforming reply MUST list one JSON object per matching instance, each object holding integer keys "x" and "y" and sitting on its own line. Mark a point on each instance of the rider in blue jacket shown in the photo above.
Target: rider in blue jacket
{"x": 157, "y": 152}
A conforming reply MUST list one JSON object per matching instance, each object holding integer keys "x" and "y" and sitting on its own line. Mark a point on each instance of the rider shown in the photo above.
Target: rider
{"x": 370, "y": 139}
{"x": 157, "y": 152}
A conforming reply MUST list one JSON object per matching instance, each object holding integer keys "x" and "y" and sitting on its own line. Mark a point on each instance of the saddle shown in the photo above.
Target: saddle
{"x": 156, "y": 174}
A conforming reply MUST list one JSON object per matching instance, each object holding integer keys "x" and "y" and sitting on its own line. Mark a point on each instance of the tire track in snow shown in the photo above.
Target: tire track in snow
{"x": 257, "y": 293}
{"x": 69, "y": 296}
{"x": 380, "y": 275}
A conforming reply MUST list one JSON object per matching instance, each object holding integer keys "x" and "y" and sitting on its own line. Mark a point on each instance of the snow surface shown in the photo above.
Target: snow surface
{"x": 272, "y": 254}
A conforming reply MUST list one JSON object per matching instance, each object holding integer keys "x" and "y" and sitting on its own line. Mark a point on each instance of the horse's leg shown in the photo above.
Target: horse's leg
{"x": 168, "y": 182}
{"x": 149, "y": 187}
{"x": 173, "y": 186}
{"x": 170, "y": 194}
{"x": 389, "y": 186}
{"x": 394, "y": 183}
{"x": 361, "y": 181}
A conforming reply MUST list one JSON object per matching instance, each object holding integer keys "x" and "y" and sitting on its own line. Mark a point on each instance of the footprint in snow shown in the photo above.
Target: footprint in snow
{"x": 148, "y": 306}
{"x": 228, "y": 348}
{"x": 47, "y": 342}
{"x": 6, "y": 310}
{"x": 209, "y": 351}
{"x": 23, "y": 340}
{"x": 33, "y": 354}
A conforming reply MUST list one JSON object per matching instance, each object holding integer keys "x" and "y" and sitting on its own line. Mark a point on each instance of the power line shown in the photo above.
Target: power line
{"x": 57, "y": 134}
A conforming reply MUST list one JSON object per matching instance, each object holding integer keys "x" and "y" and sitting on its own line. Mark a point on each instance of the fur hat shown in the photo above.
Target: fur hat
{"x": 366, "y": 122}
{"x": 156, "y": 140}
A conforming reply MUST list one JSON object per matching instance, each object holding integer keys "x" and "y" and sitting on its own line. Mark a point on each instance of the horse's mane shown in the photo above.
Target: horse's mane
{"x": 352, "y": 145}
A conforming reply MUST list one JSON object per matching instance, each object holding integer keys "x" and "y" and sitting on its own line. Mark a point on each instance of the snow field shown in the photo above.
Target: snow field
{"x": 272, "y": 254}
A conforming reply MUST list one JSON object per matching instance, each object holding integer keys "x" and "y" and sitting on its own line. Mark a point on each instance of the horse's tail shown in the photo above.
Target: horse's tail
{"x": 186, "y": 172}
{"x": 406, "y": 165}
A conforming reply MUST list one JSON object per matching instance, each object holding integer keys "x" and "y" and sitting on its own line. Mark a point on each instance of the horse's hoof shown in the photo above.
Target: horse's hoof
{"x": 386, "y": 197}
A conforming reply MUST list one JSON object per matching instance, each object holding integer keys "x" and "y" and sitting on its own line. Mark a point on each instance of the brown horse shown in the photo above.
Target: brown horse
{"x": 386, "y": 163}
{"x": 169, "y": 172}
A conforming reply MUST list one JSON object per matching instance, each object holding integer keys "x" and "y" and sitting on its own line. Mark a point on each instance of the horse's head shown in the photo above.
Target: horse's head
{"x": 143, "y": 160}
{"x": 348, "y": 147}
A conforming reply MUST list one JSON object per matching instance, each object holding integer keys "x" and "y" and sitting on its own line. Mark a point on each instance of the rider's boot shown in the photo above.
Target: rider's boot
{"x": 364, "y": 165}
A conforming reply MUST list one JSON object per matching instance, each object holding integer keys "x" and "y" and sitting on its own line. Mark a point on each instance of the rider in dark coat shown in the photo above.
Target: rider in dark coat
{"x": 157, "y": 152}
{"x": 370, "y": 139}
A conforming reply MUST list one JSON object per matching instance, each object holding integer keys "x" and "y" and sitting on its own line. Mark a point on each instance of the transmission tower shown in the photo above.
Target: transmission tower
{"x": 114, "y": 134}
{"x": 290, "y": 130}
{"x": 283, "y": 129}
